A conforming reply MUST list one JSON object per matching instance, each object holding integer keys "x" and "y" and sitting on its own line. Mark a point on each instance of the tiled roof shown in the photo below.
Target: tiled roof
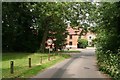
{"x": 73, "y": 31}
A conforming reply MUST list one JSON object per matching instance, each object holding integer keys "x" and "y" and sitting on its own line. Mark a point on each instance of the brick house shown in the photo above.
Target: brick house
{"x": 73, "y": 35}
{"x": 72, "y": 38}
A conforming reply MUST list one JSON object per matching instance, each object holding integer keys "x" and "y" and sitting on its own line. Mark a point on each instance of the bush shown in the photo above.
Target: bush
{"x": 82, "y": 43}
{"x": 109, "y": 63}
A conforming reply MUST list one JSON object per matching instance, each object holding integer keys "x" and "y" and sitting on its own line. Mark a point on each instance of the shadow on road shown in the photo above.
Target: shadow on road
{"x": 61, "y": 71}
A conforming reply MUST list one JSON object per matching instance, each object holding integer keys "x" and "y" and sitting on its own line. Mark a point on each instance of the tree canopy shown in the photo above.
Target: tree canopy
{"x": 30, "y": 24}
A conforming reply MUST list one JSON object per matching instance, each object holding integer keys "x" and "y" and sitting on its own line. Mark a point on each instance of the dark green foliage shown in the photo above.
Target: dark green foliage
{"x": 26, "y": 26}
{"x": 16, "y": 34}
{"x": 108, "y": 30}
{"x": 51, "y": 23}
{"x": 82, "y": 43}
{"x": 109, "y": 63}
{"x": 108, "y": 39}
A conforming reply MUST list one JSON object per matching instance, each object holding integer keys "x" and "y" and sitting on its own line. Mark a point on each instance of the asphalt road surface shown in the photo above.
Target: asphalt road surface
{"x": 81, "y": 65}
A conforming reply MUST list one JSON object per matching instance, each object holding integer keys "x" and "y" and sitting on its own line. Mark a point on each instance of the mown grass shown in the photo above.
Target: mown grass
{"x": 69, "y": 51}
{"x": 21, "y": 68}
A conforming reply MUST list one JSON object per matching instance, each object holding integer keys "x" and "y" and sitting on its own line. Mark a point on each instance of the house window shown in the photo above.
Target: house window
{"x": 76, "y": 32}
{"x": 70, "y": 36}
{"x": 70, "y": 43}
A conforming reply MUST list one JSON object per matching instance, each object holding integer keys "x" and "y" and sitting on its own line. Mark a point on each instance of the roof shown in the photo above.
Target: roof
{"x": 73, "y": 31}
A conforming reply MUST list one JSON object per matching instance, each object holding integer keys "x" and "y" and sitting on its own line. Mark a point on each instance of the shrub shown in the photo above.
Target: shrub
{"x": 109, "y": 63}
{"x": 82, "y": 43}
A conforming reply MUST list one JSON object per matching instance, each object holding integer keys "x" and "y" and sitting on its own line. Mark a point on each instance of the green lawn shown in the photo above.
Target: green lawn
{"x": 21, "y": 68}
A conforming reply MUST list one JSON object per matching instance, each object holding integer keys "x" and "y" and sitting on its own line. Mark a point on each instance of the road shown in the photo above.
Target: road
{"x": 81, "y": 65}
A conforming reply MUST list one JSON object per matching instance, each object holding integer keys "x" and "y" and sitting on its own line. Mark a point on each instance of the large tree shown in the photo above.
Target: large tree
{"x": 108, "y": 39}
{"x": 108, "y": 27}
{"x": 29, "y": 24}
{"x": 16, "y": 21}
{"x": 50, "y": 18}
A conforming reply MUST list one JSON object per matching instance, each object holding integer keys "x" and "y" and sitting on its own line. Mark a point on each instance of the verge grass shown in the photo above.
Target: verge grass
{"x": 21, "y": 68}
{"x": 69, "y": 51}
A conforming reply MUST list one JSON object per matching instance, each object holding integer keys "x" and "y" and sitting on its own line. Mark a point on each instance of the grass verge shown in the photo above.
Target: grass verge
{"x": 21, "y": 69}
{"x": 70, "y": 51}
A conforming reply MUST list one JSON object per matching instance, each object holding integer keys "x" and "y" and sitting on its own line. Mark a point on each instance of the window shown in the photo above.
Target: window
{"x": 76, "y": 32}
{"x": 70, "y": 43}
{"x": 70, "y": 36}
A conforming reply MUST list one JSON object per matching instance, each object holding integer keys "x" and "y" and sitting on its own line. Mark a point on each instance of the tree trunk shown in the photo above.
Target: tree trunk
{"x": 46, "y": 26}
{"x": 42, "y": 46}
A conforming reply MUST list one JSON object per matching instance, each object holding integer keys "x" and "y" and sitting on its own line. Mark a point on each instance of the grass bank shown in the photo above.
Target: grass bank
{"x": 21, "y": 67}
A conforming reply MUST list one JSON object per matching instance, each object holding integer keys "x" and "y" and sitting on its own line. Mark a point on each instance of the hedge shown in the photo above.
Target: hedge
{"x": 109, "y": 63}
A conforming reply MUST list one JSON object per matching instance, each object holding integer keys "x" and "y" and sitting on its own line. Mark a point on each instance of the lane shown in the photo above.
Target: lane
{"x": 81, "y": 65}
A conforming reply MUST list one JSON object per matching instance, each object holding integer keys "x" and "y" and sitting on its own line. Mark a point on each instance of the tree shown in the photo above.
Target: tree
{"x": 30, "y": 28}
{"x": 108, "y": 30}
{"x": 17, "y": 20}
{"x": 82, "y": 43}
{"x": 50, "y": 18}
{"x": 108, "y": 35}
